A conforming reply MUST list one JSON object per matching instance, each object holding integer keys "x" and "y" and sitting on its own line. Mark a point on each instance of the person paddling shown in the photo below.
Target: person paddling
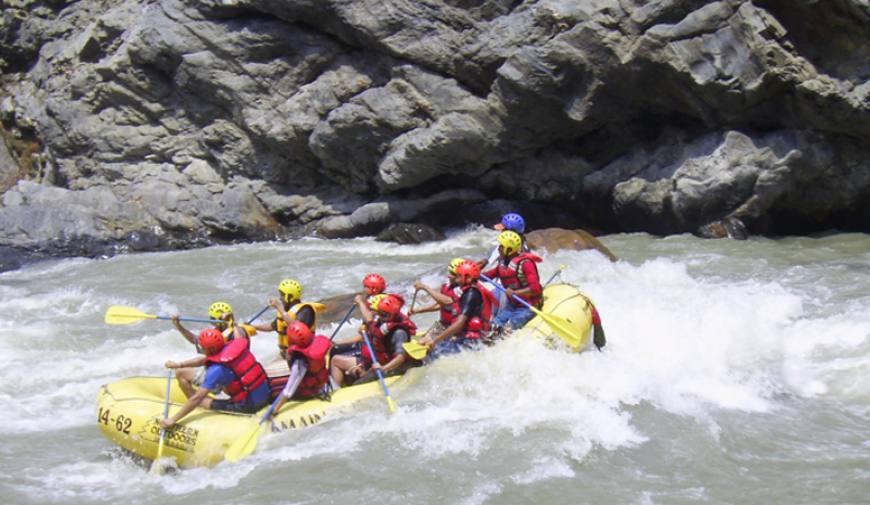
{"x": 518, "y": 273}
{"x": 445, "y": 300}
{"x": 306, "y": 358}
{"x": 509, "y": 222}
{"x": 289, "y": 308}
{"x": 388, "y": 328}
{"x": 374, "y": 284}
{"x": 348, "y": 351}
{"x": 190, "y": 377}
{"x": 471, "y": 327}
{"x": 230, "y": 368}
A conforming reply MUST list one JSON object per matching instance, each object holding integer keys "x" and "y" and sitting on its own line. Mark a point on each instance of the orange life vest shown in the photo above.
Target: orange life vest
{"x": 248, "y": 371}
{"x": 318, "y": 373}
{"x": 513, "y": 277}
{"x": 449, "y": 312}
{"x": 380, "y": 339}
{"x": 478, "y": 326}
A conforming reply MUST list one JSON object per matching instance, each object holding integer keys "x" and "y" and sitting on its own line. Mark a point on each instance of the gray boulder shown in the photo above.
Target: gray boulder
{"x": 410, "y": 233}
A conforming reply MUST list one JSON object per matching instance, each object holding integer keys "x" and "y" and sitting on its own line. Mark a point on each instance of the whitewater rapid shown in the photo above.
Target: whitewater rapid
{"x": 735, "y": 372}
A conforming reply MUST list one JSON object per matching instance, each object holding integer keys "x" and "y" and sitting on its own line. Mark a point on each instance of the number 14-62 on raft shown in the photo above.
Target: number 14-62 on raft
{"x": 122, "y": 423}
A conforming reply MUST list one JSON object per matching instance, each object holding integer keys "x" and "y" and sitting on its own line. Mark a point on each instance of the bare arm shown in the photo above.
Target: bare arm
{"x": 364, "y": 308}
{"x": 188, "y": 363}
{"x": 394, "y": 363}
{"x": 185, "y": 409}
{"x": 440, "y": 298}
{"x": 184, "y": 331}
{"x": 422, "y": 310}
{"x": 263, "y": 327}
{"x": 454, "y": 328}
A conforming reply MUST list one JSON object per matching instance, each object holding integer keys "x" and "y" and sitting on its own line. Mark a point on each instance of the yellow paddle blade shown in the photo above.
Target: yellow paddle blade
{"x": 415, "y": 350}
{"x": 391, "y": 404}
{"x": 119, "y": 314}
{"x": 561, "y": 327}
{"x": 244, "y": 446}
{"x": 157, "y": 467}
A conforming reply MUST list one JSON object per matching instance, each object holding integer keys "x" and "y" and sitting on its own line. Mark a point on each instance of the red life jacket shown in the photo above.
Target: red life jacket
{"x": 449, "y": 313}
{"x": 478, "y": 326}
{"x": 379, "y": 339}
{"x": 248, "y": 371}
{"x": 512, "y": 277}
{"x": 318, "y": 373}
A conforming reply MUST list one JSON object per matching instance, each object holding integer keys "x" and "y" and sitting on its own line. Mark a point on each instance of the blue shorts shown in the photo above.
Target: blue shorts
{"x": 517, "y": 316}
{"x": 246, "y": 406}
{"x": 452, "y": 346}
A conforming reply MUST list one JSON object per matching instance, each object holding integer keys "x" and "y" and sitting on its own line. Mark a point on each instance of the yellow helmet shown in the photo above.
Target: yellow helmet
{"x": 218, "y": 309}
{"x": 455, "y": 262}
{"x": 510, "y": 241}
{"x": 291, "y": 289}
{"x": 375, "y": 300}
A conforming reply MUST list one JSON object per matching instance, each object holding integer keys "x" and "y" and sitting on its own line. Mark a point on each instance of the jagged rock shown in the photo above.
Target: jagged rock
{"x": 555, "y": 239}
{"x": 8, "y": 167}
{"x": 727, "y": 228}
{"x": 336, "y": 308}
{"x": 703, "y": 181}
{"x": 373, "y": 217}
{"x": 11, "y": 258}
{"x": 660, "y": 116}
{"x": 409, "y": 233}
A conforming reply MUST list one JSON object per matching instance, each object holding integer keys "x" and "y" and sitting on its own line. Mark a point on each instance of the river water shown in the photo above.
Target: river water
{"x": 736, "y": 372}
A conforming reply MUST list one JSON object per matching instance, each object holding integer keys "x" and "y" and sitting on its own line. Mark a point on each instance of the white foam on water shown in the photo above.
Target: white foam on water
{"x": 680, "y": 339}
{"x": 543, "y": 469}
{"x": 681, "y": 343}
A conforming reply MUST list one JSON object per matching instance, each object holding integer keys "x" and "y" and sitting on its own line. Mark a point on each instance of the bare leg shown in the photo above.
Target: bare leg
{"x": 185, "y": 378}
{"x": 340, "y": 365}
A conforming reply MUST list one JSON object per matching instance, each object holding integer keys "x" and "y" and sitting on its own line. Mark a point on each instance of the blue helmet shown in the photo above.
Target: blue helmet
{"x": 514, "y": 222}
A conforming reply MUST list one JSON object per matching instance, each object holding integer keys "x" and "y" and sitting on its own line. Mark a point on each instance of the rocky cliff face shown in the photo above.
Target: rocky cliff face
{"x": 136, "y": 124}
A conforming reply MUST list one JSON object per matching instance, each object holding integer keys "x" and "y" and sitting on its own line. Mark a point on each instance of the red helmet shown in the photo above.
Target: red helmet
{"x": 468, "y": 271}
{"x": 211, "y": 341}
{"x": 475, "y": 324}
{"x": 299, "y": 334}
{"x": 375, "y": 283}
{"x": 390, "y": 304}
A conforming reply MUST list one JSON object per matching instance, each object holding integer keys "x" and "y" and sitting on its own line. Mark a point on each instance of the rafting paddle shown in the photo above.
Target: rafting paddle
{"x": 156, "y": 467}
{"x": 119, "y": 314}
{"x": 390, "y": 403}
{"x": 413, "y": 301}
{"x": 258, "y": 314}
{"x": 558, "y": 272}
{"x": 244, "y": 446}
{"x": 415, "y": 349}
{"x": 561, "y": 327}
{"x": 346, "y": 317}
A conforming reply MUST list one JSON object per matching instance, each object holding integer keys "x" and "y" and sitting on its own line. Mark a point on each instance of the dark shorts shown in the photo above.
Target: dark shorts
{"x": 347, "y": 350}
{"x": 244, "y": 407}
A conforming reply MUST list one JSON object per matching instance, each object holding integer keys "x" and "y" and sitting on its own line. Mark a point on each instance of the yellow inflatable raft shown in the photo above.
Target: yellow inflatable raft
{"x": 570, "y": 305}
{"x": 128, "y": 410}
